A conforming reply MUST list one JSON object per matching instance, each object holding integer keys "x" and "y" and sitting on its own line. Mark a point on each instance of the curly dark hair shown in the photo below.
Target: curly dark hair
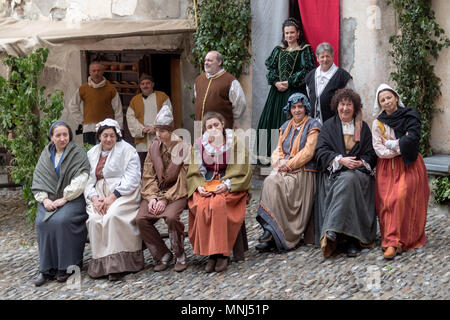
{"x": 346, "y": 94}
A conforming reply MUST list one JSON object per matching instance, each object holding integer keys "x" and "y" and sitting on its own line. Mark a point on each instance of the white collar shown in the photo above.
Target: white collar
{"x": 211, "y": 149}
{"x": 326, "y": 74}
{"x": 209, "y": 76}
{"x": 96, "y": 85}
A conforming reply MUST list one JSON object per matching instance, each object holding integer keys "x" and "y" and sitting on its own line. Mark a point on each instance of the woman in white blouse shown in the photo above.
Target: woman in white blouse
{"x": 113, "y": 198}
{"x": 58, "y": 184}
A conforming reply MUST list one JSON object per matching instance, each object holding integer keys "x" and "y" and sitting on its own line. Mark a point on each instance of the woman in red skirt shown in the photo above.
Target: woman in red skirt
{"x": 401, "y": 184}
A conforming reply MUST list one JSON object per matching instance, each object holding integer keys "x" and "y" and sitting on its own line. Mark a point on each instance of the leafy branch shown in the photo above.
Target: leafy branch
{"x": 26, "y": 114}
{"x": 419, "y": 42}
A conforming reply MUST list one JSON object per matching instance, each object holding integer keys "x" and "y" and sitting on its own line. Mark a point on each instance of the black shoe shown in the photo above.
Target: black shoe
{"x": 40, "y": 280}
{"x": 115, "y": 276}
{"x": 352, "y": 250}
{"x": 267, "y": 236}
{"x": 331, "y": 235}
{"x": 265, "y": 246}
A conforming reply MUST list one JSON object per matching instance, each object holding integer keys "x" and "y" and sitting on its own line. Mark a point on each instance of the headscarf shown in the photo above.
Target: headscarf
{"x": 293, "y": 99}
{"x": 164, "y": 119}
{"x": 53, "y": 125}
{"x": 376, "y": 106}
{"x": 108, "y": 122}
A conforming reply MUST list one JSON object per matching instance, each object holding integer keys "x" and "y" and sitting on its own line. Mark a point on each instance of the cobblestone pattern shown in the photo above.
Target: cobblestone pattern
{"x": 296, "y": 275}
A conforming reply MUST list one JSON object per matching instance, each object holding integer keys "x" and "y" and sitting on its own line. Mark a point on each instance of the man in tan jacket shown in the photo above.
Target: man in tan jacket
{"x": 164, "y": 193}
{"x": 142, "y": 112}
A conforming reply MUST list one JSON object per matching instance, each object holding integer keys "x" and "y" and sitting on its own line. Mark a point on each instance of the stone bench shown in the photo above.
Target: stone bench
{"x": 438, "y": 164}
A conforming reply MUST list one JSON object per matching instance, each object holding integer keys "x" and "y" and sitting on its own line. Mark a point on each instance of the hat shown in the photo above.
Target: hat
{"x": 293, "y": 99}
{"x": 145, "y": 76}
{"x": 376, "y": 106}
{"x": 164, "y": 118}
{"x": 108, "y": 122}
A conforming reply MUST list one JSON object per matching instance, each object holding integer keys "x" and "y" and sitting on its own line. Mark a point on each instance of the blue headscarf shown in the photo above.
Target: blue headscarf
{"x": 293, "y": 99}
{"x": 52, "y": 126}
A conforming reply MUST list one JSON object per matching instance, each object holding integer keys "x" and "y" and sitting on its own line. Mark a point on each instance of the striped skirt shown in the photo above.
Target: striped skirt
{"x": 401, "y": 199}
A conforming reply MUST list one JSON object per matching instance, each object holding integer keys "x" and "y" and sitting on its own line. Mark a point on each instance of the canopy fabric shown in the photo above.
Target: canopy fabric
{"x": 19, "y": 37}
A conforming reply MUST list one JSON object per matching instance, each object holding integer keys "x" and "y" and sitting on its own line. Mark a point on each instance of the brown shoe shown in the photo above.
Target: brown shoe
{"x": 221, "y": 264}
{"x": 210, "y": 265}
{"x": 163, "y": 264}
{"x": 180, "y": 266}
{"x": 390, "y": 253}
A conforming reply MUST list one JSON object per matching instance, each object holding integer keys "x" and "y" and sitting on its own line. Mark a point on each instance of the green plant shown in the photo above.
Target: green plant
{"x": 421, "y": 39}
{"x": 441, "y": 190}
{"x": 26, "y": 114}
{"x": 223, "y": 26}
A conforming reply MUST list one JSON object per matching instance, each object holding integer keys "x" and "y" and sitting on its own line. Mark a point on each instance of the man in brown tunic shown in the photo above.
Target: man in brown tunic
{"x": 219, "y": 91}
{"x": 95, "y": 101}
{"x": 164, "y": 193}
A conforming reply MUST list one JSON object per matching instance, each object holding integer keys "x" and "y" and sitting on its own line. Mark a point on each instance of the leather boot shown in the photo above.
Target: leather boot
{"x": 390, "y": 253}
{"x": 40, "y": 280}
{"x": 265, "y": 246}
{"x": 210, "y": 264}
{"x": 267, "y": 236}
{"x": 221, "y": 264}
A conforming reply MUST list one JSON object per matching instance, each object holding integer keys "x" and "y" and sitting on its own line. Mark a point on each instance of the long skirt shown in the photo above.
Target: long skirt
{"x": 401, "y": 198}
{"x": 115, "y": 241}
{"x": 215, "y": 221}
{"x": 286, "y": 207}
{"x": 62, "y": 237}
{"x": 345, "y": 204}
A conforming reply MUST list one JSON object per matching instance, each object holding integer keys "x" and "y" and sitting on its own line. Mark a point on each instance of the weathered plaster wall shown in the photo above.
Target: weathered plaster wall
{"x": 365, "y": 30}
{"x": 366, "y": 26}
{"x": 440, "y": 127}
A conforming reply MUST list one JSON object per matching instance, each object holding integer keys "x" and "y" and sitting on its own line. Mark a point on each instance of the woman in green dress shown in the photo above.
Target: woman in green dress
{"x": 287, "y": 66}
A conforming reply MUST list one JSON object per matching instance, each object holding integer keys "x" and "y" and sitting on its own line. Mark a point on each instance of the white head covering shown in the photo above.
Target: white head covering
{"x": 376, "y": 106}
{"x": 164, "y": 117}
{"x": 110, "y": 123}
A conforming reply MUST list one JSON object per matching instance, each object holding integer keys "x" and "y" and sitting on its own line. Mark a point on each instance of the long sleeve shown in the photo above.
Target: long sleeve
{"x": 237, "y": 99}
{"x": 377, "y": 140}
{"x": 134, "y": 125}
{"x": 132, "y": 176}
{"x": 307, "y": 153}
{"x": 75, "y": 108}
{"x": 41, "y": 196}
{"x": 76, "y": 187}
{"x": 116, "y": 105}
{"x": 272, "y": 66}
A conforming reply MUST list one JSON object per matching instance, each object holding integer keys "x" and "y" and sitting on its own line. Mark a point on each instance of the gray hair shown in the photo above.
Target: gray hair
{"x": 324, "y": 46}
{"x": 219, "y": 58}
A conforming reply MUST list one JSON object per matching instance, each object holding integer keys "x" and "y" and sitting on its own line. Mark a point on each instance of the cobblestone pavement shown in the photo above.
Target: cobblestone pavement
{"x": 296, "y": 275}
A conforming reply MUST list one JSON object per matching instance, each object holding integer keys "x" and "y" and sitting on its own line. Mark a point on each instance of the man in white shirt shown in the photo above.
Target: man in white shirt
{"x": 219, "y": 91}
{"x": 324, "y": 81}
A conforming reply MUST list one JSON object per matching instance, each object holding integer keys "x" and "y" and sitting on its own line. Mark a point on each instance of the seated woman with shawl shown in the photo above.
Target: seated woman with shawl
{"x": 288, "y": 193}
{"x": 401, "y": 184}
{"x": 59, "y": 180}
{"x": 218, "y": 180}
{"x": 113, "y": 198}
{"x": 345, "y": 206}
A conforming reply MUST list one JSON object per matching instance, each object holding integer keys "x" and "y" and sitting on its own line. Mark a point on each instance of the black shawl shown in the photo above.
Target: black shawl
{"x": 331, "y": 144}
{"x": 405, "y": 120}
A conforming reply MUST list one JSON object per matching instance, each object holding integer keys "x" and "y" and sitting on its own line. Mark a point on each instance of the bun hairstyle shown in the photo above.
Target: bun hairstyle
{"x": 288, "y": 23}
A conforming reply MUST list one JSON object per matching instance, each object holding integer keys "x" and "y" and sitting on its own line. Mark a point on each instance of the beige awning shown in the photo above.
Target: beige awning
{"x": 20, "y": 36}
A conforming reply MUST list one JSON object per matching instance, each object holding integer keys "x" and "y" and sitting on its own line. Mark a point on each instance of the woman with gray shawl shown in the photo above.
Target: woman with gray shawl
{"x": 59, "y": 180}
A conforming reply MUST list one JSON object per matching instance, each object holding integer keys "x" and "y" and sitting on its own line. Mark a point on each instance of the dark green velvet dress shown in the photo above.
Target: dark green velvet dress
{"x": 283, "y": 65}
